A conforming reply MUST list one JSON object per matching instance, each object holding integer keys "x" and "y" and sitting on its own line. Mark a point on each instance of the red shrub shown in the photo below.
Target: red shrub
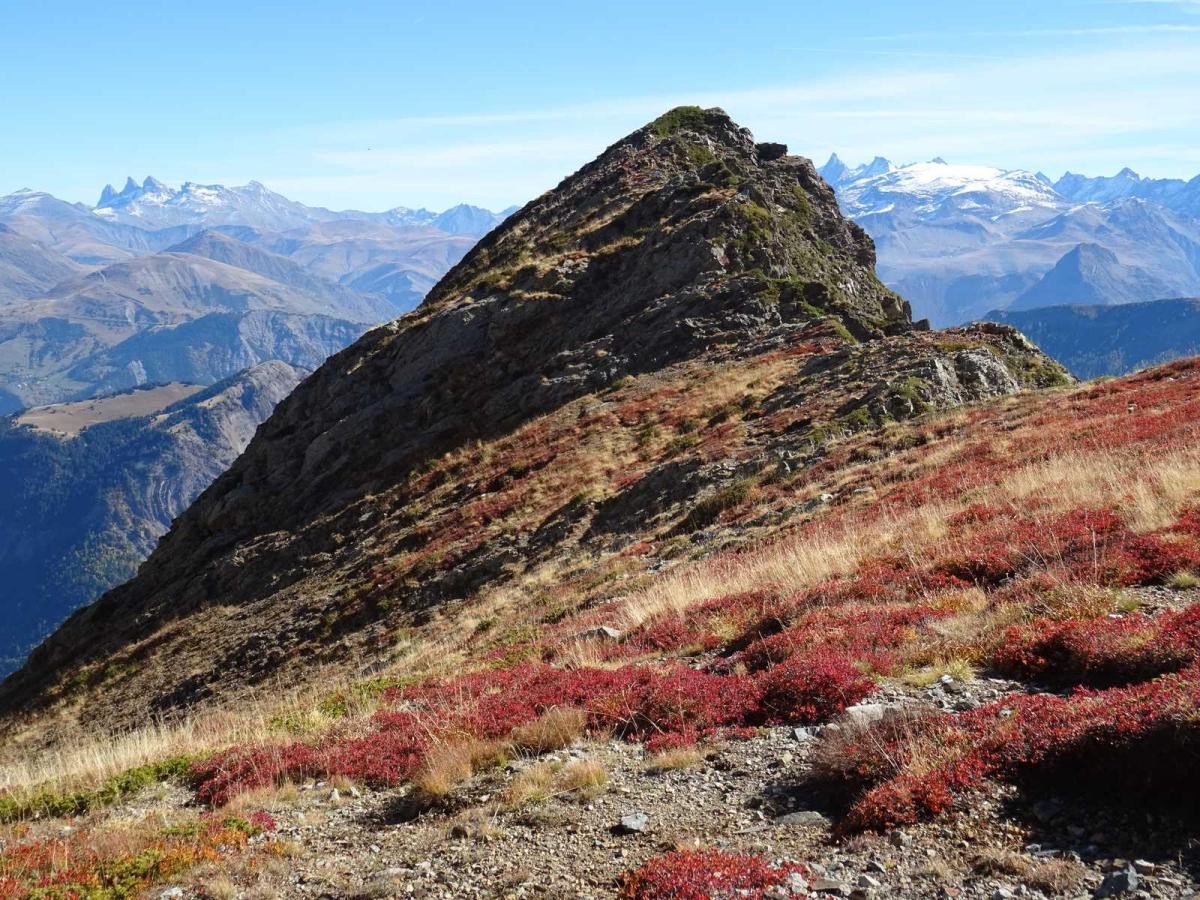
{"x": 647, "y": 701}
{"x": 704, "y": 627}
{"x": 223, "y": 775}
{"x": 1189, "y": 522}
{"x": 672, "y": 703}
{"x": 1148, "y": 559}
{"x": 861, "y": 633}
{"x": 263, "y": 821}
{"x": 1090, "y": 545}
{"x": 810, "y": 688}
{"x": 661, "y": 743}
{"x": 1127, "y": 740}
{"x": 388, "y": 755}
{"x": 1101, "y": 652}
{"x": 707, "y": 874}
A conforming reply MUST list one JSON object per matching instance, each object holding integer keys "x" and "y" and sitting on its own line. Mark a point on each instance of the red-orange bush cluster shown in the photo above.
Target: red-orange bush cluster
{"x": 1101, "y": 652}
{"x": 862, "y": 633}
{"x": 1127, "y": 738}
{"x": 705, "y": 874}
{"x": 1090, "y": 545}
{"x": 75, "y": 865}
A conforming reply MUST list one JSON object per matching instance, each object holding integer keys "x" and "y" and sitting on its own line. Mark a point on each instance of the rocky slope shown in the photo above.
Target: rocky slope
{"x": 85, "y": 505}
{"x": 484, "y": 436}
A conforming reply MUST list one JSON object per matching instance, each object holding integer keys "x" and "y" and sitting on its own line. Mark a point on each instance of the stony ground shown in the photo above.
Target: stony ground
{"x": 746, "y": 795}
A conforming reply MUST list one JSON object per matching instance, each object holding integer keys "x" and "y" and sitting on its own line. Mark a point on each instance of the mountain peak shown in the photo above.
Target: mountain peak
{"x": 834, "y": 171}
{"x": 131, "y": 186}
{"x": 1129, "y": 174}
{"x": 107, "y": 195}
{"x": 756, "y": 210}
{"x": 878, "y": 166}
{"x": 152, "y": 184}
{"x": 685, "y": 251}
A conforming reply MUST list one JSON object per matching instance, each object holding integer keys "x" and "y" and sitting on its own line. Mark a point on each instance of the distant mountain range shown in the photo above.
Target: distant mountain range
{"x": 158, "y": 284}
{"x": 958, "y": 241}
{"x": 1093, "y": 341}
{"x": 87, "y": 488}
{"x": 154, "y": 205}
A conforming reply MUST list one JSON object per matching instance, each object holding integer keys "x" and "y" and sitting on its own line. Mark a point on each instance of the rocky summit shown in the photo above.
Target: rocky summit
{"x": 687, "y": 253}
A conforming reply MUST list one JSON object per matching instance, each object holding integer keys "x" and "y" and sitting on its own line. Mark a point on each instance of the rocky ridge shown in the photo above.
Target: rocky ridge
{"x": 685, "y": 251}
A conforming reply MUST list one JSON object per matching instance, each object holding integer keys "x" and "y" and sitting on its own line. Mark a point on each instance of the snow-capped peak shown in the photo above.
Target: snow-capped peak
{"x": 924, "y": 189}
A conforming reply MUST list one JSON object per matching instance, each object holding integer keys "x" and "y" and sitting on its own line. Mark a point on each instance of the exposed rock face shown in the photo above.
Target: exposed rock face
{"x": 683, "y": 252}
{"x": 85, "y": 509}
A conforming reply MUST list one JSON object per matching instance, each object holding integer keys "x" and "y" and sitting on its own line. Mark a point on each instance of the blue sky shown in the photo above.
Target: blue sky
{"x": 376, "y": 104}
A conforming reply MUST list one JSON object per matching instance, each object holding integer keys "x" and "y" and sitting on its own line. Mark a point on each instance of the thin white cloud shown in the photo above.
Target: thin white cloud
{"x": 1087, "y": 110}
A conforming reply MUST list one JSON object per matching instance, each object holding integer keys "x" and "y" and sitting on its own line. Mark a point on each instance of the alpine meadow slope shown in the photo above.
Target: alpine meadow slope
{"x": 685, "y": 248}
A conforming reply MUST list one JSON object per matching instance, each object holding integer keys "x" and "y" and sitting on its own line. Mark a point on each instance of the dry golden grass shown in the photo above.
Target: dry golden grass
{"x": 670, "y": 760}
{"x": 532, "y": 785}
{"x": 555, "y": 729}
{"x": 1184, "y": 581}
{"x": 586, "y": 777}
{"x": 1057, "y": 877}
{"x": 956, "y": 667}
{"x": 449, "y": 764}
{"x": 1149, "y": 491}
{"x": 477, "y": 823}
{"x": 86, "y": 760}
{"x": 787, "y": 566}
{"x": 220, "y": 887}
{"x": 998, "y": 861}
{"x": 268, "y": 798}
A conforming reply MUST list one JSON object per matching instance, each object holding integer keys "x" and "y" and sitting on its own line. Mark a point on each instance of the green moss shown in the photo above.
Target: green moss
{"x": 700, "y": 156}
{"x": 690, "y": 118}
{"x": 804, "y": 210}
{"x": 678, "y": 444}
{"x": 646, "y": 434}
{"x": 859, "y": 419}
{"x": 617, "y": 383}
{"x": 912, "y": 389}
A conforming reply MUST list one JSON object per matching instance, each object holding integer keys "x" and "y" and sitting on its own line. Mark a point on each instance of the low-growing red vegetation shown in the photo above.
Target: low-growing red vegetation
{"x": 862, "y": 633}
{"x": 706, "y": 626}
{"x": 1101, "y": 652}
{"x": 1121, "y": 740}
{"x": 811, "y": 687}
{"x": 707, "y": 874}
{"x": 1092, "y": 545}
{"x": 671, "y": 705}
